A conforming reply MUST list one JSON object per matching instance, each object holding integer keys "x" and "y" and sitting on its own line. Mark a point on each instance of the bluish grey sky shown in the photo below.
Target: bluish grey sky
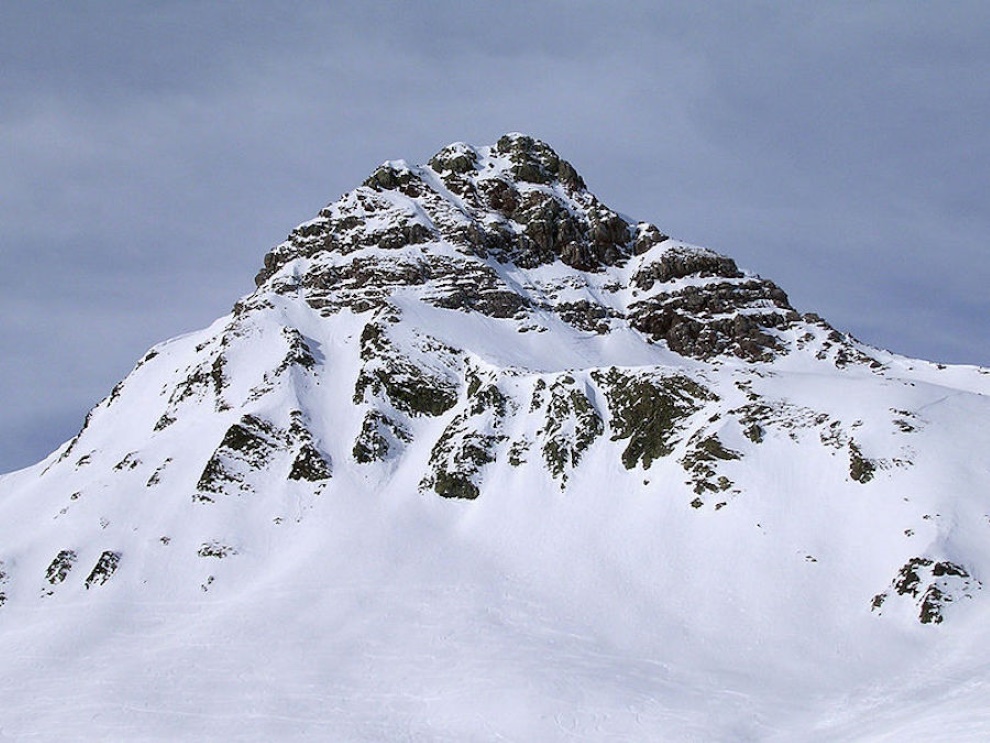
{"x": 151, "y": 154}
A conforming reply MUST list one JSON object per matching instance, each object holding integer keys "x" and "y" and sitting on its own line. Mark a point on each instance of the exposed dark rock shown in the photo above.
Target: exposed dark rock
{"x": 389, "y": 177}
{"x": 309, "y": 465}
{"x": 251, "y": 437}
{"x": 115, "y": 393}
{"x": 501, "y": 196}
{"x": 363, "y": 284}
{"x": 466, "y": 445}
{"x": 156, "y": 476}
{"x": 380, "y": 436}
{"x": 104, "y": 569}
{"x": 536, "y": 223}
{"x": 59, "y": 568}
{"x": 701, "y": 462}
{"x": 680, "y": 262}
{"x": 536, "y": 162}
{"x": 649, "y": 411}
{"x": 247, "y": 445}
{"x": 539, "y": 392}
{"x": 572, "y": 426}
{"x": 648, "y": 236}
{"x": 146, "y": 358}
{"x": 299, "y": 353}
{"x": 201, "y": 380}
{"x": 762, "y": 415}
{"x": 908, "y": 581}
{"x": 499, "y": 304}
{"x": 931, "y": 606}
{"x": 585, "y": 315}
{"x": 488, "y": 398}
{"x": 861, "y": 469}
{"x": 216, "y": 549}
{"x": 454, "y": 159}
{"x": 456, "y": 485}
{"x": 75, "y": 439}
{"x": 721, "y": 318}
{"x": 517, "y": 452}
{"x": 129, "y": 462}
{"x": 949, "y": 568}
{"x": 476, "y": 287}
{"x": 457, "y": 459}
{"x": 400, "y": 236}
{"x": 410, "y": 388}
{"x": 932, "y": 585}
{"x": 551, "y": 229}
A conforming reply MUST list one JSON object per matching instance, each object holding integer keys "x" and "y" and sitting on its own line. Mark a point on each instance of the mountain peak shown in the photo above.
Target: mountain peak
{"x": 522, "y": 157}
{"x": 479, "y": 228}
{"x": 535, "y": 161}
{"x": 458, "y": 383}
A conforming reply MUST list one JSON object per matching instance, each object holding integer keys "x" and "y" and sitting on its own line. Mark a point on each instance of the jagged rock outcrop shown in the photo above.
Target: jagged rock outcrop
{"x": 931, "y": 585}
{"x": 451, "y": 226}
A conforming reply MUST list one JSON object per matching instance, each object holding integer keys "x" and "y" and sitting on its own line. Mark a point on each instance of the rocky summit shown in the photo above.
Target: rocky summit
{"x": 482, "y": 458}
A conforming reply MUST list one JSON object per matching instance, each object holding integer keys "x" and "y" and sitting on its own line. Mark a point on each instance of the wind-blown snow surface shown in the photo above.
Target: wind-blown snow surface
{"x": 794, "y": 551}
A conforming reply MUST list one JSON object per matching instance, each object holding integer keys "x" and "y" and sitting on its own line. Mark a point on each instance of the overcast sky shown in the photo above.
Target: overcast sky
{"x": 151, "y": 153}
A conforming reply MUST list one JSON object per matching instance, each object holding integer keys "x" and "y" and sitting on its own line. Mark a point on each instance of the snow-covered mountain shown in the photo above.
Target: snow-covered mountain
{"x": 481, "y": 459}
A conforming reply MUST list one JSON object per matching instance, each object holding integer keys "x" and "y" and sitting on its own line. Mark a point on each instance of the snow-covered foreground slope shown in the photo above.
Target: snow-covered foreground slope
{"x": 482, "y": 460}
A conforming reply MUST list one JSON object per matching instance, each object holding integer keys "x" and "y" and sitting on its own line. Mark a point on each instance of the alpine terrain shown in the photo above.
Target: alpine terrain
{"x": 482, "y": 459}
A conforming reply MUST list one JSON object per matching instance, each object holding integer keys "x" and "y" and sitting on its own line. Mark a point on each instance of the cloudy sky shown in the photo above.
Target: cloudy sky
{"x": 151, "y": 153}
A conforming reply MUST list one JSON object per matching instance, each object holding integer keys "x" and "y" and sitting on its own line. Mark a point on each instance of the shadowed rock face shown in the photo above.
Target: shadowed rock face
{"x": 531, "y": 210}
{"x": 705, "y": 321}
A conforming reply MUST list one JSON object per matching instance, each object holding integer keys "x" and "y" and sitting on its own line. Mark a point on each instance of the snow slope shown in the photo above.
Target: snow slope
{"x": 480, "y": 459}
